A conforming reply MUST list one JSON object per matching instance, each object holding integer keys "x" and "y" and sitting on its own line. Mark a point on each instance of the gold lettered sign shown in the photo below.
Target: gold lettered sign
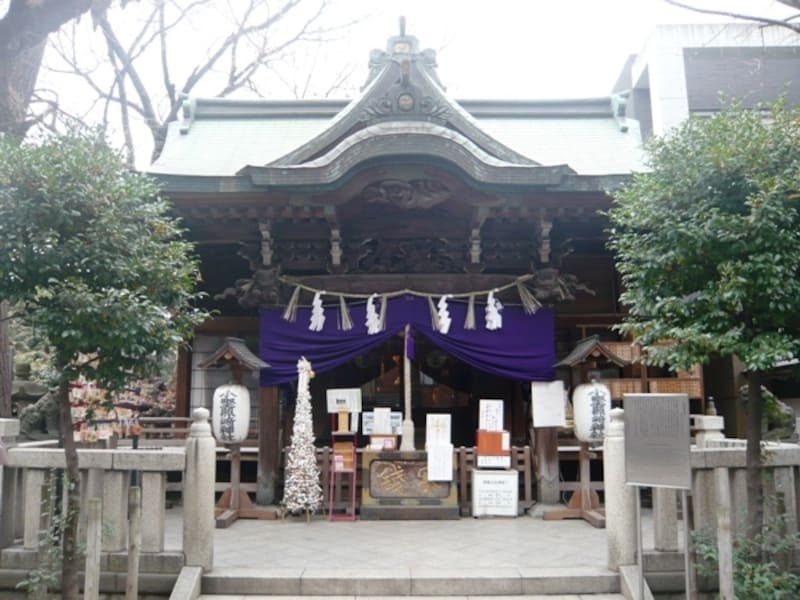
{"x": 399, "y": 478}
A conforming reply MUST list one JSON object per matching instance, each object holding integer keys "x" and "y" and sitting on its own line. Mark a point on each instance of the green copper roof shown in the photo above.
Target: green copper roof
{"x": 401, "y": 106}
{"x": 589, "y": 144}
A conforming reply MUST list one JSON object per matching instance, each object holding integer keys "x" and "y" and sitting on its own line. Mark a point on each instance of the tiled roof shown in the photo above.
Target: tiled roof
{"x": 220, "y": 146}
{"x": 586, "y": 348}
{"x": 234, "y": 350}
{"x": 281, "y": 138}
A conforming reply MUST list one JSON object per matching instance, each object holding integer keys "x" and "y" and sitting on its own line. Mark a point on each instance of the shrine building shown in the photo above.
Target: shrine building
{"x": 463, "y": 238}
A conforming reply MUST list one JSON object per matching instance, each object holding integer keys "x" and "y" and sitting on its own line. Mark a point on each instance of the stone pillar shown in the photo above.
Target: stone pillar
{"x": 198, "y": 493}
{"x": 153, "y": 494}
{"x": 9, "y": 482}
{"x": 34, "y": 480}
{"x": 708, "y": 428}
{"x": 665, "y": 519}
{"x": 722, "y": 495}
{"x": 115, "y": 510}
{"x": 620, "y": 497}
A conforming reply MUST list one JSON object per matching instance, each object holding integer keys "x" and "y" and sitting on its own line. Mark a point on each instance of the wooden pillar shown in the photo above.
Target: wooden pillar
{"x": 547, "y": 468}
{"x": 519, "y": 417}
{"x": 268, "y": 444}
{"x": 182, "y": 377}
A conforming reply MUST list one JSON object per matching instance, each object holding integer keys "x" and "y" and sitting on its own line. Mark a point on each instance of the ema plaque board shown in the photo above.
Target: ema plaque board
{"x": 657, "y": 444}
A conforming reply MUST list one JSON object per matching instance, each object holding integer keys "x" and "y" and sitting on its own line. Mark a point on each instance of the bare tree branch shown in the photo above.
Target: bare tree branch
{"x": 130, "y": 154}
{"x": 127, "y": 67}
{"x": 200, "y": 71}
{"x": 787, "y": 23}
{"x": 162, "y": 39}
{"x": 142, "y": 73}
{"x": 87, "y": 74}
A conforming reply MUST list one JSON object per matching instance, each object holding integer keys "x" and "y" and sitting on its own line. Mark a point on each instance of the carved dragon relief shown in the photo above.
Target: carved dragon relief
{"x": 416, "y": 255}
{"x": 416, "y": 193}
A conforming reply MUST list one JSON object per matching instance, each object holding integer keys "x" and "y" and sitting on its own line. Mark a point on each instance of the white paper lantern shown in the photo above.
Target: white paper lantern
{"x": 230, "y": 414}
{"x": 591, "y": 404}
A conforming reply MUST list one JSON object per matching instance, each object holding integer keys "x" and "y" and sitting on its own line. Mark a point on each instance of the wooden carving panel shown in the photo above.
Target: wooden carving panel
{"x": 416, "y": 255}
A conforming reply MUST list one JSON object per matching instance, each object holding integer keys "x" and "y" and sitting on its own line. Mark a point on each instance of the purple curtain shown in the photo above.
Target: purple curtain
{"x": 524, "y": 349}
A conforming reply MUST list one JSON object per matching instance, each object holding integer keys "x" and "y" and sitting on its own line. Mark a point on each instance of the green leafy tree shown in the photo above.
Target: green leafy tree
{"x": 708, "y": 245}
{"x": 91, "y": 257}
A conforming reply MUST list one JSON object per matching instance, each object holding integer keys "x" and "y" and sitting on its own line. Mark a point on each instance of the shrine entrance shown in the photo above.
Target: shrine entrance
{"x": 440, "y": 384}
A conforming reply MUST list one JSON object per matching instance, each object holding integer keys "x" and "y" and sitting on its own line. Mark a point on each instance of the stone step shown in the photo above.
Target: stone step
{"x": 520, "y": 597}
{"x": 517, "y": 582}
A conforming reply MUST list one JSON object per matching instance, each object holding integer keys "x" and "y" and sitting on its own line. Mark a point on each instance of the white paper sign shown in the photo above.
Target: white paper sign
{"x": 440, "y": 462}
{"x": 490, "y": 415}
{"x": 382, "y": 421}
{"x": 548, "y": 401}
{"x": 368, "y": 420}
{"x": 437, "y": 430}
{"x": 346, "y": 399}
{"x": 495, "y": 493}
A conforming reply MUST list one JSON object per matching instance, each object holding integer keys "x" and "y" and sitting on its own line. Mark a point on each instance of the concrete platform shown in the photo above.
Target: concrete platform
{"x": 520, "y": 558}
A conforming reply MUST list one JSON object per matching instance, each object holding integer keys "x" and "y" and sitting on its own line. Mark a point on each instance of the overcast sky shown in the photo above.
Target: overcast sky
{"x": 528, "y": 48}
{"x": 486, "y": 49}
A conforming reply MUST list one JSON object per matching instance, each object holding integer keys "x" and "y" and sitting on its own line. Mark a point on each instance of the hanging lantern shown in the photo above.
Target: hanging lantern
{"x": 230, "y": 415}
{"x": 591, "y": 404}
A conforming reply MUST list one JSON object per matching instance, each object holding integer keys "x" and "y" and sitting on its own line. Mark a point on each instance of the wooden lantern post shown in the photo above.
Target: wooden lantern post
{"x": 235, "y": 502}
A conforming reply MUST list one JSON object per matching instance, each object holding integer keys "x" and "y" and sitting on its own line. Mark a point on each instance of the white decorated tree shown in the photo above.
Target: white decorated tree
{"x": 302, "y": 491}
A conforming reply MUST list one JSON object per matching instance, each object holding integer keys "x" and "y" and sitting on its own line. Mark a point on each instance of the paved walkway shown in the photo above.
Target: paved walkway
{"x": 524, "y": 542}
{"x": 467, "y": 548}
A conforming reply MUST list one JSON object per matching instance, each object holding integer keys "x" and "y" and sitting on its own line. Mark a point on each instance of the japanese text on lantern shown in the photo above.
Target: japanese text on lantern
{"x": 598, "y": 413}
{"x": 227, "y": 414}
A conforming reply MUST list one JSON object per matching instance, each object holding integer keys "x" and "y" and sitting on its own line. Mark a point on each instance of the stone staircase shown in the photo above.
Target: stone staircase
{"x": 403, "y": 582}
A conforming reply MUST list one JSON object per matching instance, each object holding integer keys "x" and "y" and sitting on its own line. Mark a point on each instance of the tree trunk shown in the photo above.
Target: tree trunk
{"x": 18, "y": 74}
{"x": 6, "y": 363}
{"x": 69, "y": 566}
{"x": 755, "y": 490}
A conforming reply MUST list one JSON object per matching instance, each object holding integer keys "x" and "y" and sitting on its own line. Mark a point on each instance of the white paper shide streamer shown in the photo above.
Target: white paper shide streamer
{"x": 317, "y": 313}
{"x": 494, "y": 318}
{"x": 444, "y": 315}
{"x": 373, "y": 322}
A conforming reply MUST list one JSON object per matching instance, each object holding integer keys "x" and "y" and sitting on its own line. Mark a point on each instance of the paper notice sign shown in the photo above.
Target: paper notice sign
{"x": 382, "y": 421}
{"x": 346, "y": 399}
{"x": 437, "y": 430}
{"x": 548, "y": 400}
{"x": 440, "y": 462}
{"x": 490, "y": 415}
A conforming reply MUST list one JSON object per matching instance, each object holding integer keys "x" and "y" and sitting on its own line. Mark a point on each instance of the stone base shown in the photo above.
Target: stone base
{"x": 409, "y": 513}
